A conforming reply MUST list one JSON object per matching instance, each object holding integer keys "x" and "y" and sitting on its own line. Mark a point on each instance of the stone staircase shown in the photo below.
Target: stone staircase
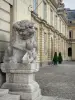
{"x": 4, "y": 95}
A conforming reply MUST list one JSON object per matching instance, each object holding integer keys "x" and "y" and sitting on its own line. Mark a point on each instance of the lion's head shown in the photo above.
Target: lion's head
{"x": 25, "y": 29}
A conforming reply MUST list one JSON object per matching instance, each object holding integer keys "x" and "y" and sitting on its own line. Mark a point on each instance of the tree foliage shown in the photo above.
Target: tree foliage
{"x": 60, "y": 58}
{"x": 55, "y": 58}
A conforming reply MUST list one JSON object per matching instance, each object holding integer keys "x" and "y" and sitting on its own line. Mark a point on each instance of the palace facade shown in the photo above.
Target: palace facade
{"x": 51, "y": 24}
{"x": 71, "y": 40}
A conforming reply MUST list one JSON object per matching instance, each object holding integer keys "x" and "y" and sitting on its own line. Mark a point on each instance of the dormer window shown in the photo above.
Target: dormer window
{"x": 70, "y": 22}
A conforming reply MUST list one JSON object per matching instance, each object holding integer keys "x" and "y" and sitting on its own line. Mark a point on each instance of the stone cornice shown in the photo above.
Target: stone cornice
{"x": 60, "y": 34}
{"x": 64, "y": 19}
{"x": 71, "y": 40}
{"x": 35, "y": 16}
{"x": 41, "y": 21}
{"x": 54, "y": 3}
{"x": 63, "y": 36}
{"x": 9, "y": 1}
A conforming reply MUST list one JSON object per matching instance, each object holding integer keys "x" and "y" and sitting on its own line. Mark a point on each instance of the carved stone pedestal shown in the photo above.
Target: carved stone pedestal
{"x": 20, "y": 79}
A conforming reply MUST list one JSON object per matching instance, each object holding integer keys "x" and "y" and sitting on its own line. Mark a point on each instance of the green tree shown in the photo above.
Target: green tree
{"x": 60, "y": 58}
{"x": 55, "y": 58}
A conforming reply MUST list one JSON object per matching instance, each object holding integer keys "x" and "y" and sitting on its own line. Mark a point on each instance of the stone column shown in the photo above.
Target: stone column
{"x": 58, "y": 44}
{"x": 40, "y": 47}
{"x": 65, "y": 51}
{"x": 54, "y": 43}
{"x": 61, "y": 45}
{"x": 20, "y": 63}
{"x": 63, "y": 48}
{"x": 49, "y": 47}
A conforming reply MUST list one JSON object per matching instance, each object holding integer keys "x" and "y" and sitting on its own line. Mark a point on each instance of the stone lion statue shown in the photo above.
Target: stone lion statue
{"x": 23, "y": 46}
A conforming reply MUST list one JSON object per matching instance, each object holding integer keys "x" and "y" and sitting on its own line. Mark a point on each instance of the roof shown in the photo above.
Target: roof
{"x": 70, "y": 14}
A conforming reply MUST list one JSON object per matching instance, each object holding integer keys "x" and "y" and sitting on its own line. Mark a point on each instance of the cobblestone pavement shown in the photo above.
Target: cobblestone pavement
{"x": 58, "y": 80}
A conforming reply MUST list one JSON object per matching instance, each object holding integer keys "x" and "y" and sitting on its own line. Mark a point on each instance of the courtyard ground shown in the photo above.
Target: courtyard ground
{"x": 58, "y": 80}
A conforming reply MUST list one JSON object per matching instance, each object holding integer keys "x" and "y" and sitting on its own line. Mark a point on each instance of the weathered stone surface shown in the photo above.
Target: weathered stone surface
{"x": 3, "y": 92}
{"x": 29, "y": 96}
{"x": 20, "y": 62}
{"x": 10, "y": 97}
{"x": 20, "y": 65}
{"x": 22, "y": 87}
{"x": 2, "y": 77}
{"x": 23, "y": 44}
{"x": 4, "y": 95}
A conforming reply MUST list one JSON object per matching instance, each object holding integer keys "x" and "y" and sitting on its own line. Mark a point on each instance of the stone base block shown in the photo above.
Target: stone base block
{"x": 3, "y": 92}
{"x": 20, "y": 80}
{"x": 2, "y": 77}
{"x": 29, "y": 88}
{"x": 10, "y": 97}
{"x": 28, "y": 96}
{"x": 26, "y": 91}
{"x": 19, "y": 68}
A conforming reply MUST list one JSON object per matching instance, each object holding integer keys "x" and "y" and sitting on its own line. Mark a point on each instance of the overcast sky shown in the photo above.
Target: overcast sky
{"x": 69, "y": 4}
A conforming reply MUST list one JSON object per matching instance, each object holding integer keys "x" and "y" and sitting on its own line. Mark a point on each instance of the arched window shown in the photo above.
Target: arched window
{"x": 69, "y": 51}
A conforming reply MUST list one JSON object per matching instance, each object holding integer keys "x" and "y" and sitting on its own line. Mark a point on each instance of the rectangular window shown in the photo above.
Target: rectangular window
{"x": 70, "y": 52}
{"x": 35, "y": 4}
{"x": 56, "y": 21}
{"x": 44, "y": 10}
{"x": 70, "y": 34}
{"x": 51, "y": 12}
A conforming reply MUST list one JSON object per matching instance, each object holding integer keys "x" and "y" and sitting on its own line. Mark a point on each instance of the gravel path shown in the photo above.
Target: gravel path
{"x": 58, "y": 80}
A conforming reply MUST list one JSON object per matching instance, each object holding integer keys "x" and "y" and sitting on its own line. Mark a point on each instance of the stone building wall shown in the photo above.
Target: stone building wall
{"x": 5, "y": 30}
{"x": 72, "y": 29}
{"x": 56, "y": 28}
{"x": 5, "y": 22}
{"x": 50, "y": 31}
